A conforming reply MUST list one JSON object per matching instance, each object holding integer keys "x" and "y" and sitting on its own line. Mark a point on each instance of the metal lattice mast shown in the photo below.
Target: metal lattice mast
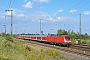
{"x": 80, "y": 29}
{"x": 40, "y": 26}
{"x": 11, "y": 15}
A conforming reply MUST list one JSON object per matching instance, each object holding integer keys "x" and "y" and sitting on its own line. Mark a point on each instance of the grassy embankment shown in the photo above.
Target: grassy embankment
{"x": 10, "y": 50}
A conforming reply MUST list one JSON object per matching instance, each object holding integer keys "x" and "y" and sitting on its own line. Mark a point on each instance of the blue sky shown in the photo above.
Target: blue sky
{"x": 54, "y": 15}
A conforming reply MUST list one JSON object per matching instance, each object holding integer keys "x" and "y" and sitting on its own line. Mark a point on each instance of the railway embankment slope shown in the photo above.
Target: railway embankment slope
{"x": 12, "y": 50}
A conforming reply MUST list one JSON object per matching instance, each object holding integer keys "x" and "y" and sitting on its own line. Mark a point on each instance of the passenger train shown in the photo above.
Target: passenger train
{"x": 63, "y": 39}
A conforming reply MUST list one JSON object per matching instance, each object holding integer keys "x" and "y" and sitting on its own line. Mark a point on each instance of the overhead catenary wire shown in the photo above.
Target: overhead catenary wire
{"x": 77, "y": 5}
{"x": 80, "y": 6}
{"x": 73, "y": 6}
{"x": 10, "y": 4}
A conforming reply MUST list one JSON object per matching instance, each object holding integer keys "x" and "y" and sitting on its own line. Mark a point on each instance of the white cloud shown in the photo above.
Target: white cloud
{"x": 55, "y": 19}
{"x": 86, "y": 12}
{"x": 41, "y": 15}
{"x": 42, "y": 1}
{"x": 73, "y": 11}
{"x": 37, "y": 16}
{"x": 2, "y": 16}
{"x": 60, "y": 11}
{"x": 47, "y": 18}
{"x": 58, "y": 18}
{"x": 28, "y": 5}
{"x": 21, "y": 15}
{"x": 54, "y": 14}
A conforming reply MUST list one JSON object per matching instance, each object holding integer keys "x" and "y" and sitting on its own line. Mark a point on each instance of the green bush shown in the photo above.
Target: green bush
{"x": 42, "y": 50}
{"x": 54, "y": 54}
{"x": 0, "y": 40}
{"x": 84, "y": 42}
{"x": 1, "y": 58}
{"x": 7, "y": 44}
{"x": 28, "y": 48}
{"x": 9, "y": 38}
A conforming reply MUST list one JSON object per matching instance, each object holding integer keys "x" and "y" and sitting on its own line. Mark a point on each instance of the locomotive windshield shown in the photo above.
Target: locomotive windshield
{"x": 67, "y": 38}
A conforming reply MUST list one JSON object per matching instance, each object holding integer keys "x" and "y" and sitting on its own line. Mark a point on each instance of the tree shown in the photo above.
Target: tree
{"x": 59, "y": 32}
{"x": 3, "y": 34}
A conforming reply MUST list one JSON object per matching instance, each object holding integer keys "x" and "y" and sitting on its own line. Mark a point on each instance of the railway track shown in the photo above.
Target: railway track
{"x": 76, "y": 49}
{"x": 81, "y": 47}
{"x": 80, "y": 50}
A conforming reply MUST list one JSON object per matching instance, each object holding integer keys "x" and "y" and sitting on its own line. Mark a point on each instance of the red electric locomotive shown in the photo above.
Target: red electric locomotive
{"x": 64, "y": 40}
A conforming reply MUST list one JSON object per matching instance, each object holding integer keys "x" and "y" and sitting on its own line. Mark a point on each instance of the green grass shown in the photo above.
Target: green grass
{"x": 49, "y": 53}
{"x": 18, "y": 51}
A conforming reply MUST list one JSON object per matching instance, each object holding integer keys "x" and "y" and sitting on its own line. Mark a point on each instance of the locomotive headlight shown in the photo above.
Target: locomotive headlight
{"x": 65, "y": 40}
{"x": 69, "y": 41}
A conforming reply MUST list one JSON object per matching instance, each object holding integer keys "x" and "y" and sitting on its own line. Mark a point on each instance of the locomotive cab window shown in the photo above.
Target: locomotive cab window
{"x": 67, "y": 38}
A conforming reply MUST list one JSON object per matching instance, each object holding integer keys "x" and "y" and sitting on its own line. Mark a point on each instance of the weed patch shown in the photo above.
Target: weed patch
{"x": 19, "y": 51}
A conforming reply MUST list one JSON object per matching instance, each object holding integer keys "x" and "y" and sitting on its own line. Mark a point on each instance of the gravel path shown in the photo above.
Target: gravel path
{"x": 75, "y": 56}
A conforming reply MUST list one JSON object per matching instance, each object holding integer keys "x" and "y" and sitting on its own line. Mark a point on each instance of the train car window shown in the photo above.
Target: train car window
{"x": 67, "y": 38}
{"x": 56, "y": 36}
